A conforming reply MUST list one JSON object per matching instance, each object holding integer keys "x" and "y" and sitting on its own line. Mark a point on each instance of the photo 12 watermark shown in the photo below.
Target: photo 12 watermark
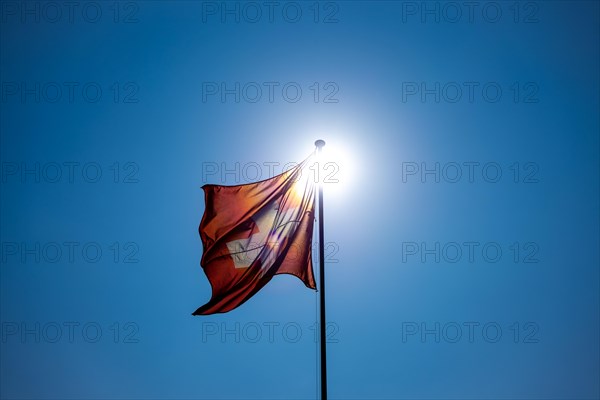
{"x": 270, "y": 92}
{"x": 68, "y": 252}
{"x": 451, "y": 172}
{"x": 266, "y": 332}
{"x": 270, "y": 12}
{"x": 69, "y": 92}
{"x": 69, "y": 12}
{"x": 471, "y": 252}
{"x": 293, "y": 252}
{"x": 470, "y": 332}
{"x": 470, "y": 92}
{"x": 236, "y": 173}
{"x": 470, "y": 12}
{"x": 69, "y": 332}
{"x": 69, "y": 172}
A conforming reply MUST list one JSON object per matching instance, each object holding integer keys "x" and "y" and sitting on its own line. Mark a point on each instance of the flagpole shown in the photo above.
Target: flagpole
{"x": 322, "y": 325}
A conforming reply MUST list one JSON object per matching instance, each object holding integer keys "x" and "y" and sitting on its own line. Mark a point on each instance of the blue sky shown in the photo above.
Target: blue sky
{"x": 462, "y": 236}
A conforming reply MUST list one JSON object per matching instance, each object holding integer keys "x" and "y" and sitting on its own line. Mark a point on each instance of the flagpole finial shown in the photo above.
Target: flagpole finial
{"x": 320, "y": 143}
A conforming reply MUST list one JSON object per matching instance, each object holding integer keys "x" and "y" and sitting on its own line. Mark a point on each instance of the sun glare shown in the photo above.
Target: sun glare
{"x": 334, "y": 168}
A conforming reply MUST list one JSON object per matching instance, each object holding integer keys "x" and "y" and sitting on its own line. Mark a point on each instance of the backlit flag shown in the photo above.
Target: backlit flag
{"x": 253, "y": 232}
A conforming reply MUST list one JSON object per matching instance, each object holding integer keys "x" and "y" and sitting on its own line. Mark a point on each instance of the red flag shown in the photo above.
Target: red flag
{"x": 255, "y": 231}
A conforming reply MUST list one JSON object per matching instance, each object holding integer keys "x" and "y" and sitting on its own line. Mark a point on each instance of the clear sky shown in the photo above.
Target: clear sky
{"x": 462, "y": 234}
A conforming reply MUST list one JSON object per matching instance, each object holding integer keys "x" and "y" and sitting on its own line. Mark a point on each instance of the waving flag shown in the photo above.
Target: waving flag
{"x": 253, "y": 232}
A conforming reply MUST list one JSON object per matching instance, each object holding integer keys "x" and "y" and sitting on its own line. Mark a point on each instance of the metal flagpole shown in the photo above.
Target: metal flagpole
{"x": 322, "y": 324}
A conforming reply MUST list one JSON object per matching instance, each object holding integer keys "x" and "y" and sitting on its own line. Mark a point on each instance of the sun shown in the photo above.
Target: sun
{"x": 333, "y": 168}
{"x": 335, "y": 165}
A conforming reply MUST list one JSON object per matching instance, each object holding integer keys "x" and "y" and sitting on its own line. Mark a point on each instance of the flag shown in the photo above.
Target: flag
{"x": 253, "y": 232}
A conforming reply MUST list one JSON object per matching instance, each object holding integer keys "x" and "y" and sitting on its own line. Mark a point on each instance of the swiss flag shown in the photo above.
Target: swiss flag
{"x": 255, "y": 231}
